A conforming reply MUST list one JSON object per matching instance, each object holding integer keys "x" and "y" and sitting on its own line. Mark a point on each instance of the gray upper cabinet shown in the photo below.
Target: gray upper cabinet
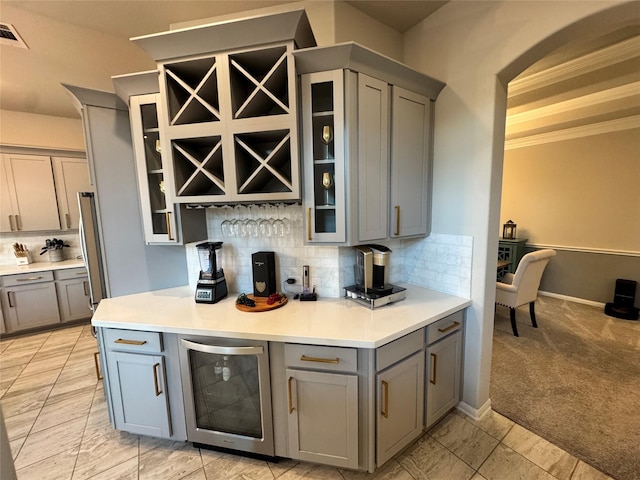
{"x": 229, "y": 108}
{"x": 367, "y": 133}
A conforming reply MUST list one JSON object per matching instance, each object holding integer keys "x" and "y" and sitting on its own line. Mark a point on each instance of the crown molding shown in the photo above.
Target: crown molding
{"x": 629, "y": 90}
{"x": 611, "y": 126}
{"x": 605, "y": 57}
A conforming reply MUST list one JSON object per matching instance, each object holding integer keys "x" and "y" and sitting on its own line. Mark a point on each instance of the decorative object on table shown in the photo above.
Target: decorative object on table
{"x": 509, "y": 230}
{"x": 54, "y": 247}
{"x": 264, "y": 273}
{"x": 250, "y": 303}
{"x": 327, "y": 137}
{"x": 327, "y": 183}
{"x": 22, "y": 253}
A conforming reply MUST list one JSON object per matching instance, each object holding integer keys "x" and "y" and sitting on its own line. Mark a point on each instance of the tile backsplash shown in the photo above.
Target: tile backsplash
{"x": 440, "y": 262}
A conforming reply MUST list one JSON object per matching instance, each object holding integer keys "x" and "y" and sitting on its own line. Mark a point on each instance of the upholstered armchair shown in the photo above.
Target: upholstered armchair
{"x": 519, "y": 288}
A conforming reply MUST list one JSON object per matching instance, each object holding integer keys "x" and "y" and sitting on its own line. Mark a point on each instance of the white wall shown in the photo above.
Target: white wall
{"x": 476, "y": 48}
{"x": 31, "y": 130}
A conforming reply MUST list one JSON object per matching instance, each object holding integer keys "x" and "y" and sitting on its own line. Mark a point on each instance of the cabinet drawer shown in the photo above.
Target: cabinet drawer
{"x": 27, "y": 278}
{"x": 321, "y": 358}
{"x": 398, "y": 349}
{"x": 133, "y": 340}
{"x": 445, "y": 326}
{"x": 70, "y": 273}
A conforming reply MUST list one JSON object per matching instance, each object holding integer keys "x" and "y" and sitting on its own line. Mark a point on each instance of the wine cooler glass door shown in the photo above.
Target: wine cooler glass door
{"x": 227, "y": 396}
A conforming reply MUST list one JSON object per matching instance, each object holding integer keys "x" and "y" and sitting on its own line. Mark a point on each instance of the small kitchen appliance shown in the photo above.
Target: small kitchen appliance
{"x": 212, "y": 286}
{"x": 371, "y": 271}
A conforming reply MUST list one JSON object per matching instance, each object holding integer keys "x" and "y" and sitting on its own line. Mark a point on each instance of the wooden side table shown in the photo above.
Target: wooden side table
{"x": 511, "y": 250}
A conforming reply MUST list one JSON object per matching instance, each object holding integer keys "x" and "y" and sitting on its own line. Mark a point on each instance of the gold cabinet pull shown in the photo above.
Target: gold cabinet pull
{"x": 18, "y": 223}
{"x": 309, "y": 224}
{"x": 85, "y": 288}
{"x": 68, "y": 219}
{"x": 167, "y": 217}
{"x": 28, "y": 279}
{"x": 304, "y": 358}
{"x": 397, "y": 232}
{"x": 9, "y": 298}
{"x": 450, "y": 327}
{"x": 385, "y": 400}
{"x": 291, "y": 409}
{"x": 97, "y": 362}
{"x": 130, "y": 342}
{"x": 11, "y": 223}
{"x": 434, "y": 369}
{"x": 155, "y": 379}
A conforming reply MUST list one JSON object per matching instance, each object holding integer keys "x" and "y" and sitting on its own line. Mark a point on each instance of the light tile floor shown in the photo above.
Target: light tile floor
{"x": 57, "y": 424}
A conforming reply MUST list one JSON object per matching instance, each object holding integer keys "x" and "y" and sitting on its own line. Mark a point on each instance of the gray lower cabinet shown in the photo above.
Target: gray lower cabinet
{"x": 400, "y": 395}
{"x": 137, "y": 382}
{"x": 444, "y": 366}
{"x": 74, "y": 299}
{"x": 322, "y": 393}
{"x": 29, "y": 300}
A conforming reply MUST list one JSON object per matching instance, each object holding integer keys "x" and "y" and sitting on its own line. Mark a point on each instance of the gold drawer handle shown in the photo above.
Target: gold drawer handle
{"x": 304, "y": 358}
{"x": 397, "y": 232}
{"x": 155, "y": 379}
{"x": 385, "y": 403}
{"x": 130, "y": 342}
{"x": 95, "y": 360}
{"x": 309, "y": 224}
{"x": 450, "y": 327}
{"x": 291, "y": 409}
{"x": 28, "y": 279}
{"x": 435, "y": 368}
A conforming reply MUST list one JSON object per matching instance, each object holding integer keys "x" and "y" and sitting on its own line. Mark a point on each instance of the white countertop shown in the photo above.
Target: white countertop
{"x": 39, "y": 267}
{"x": 329, "y": 321}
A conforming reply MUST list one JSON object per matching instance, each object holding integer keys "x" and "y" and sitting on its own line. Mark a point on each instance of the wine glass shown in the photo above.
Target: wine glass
{"x": 327, "y": 136}
{"x": 278, "y": 225}
{"x": 327, "y": 183}
{"x": 227, "y": 224}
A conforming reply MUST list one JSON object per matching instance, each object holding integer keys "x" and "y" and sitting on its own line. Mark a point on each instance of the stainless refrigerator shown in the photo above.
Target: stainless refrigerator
{"x": 116, "y": 255}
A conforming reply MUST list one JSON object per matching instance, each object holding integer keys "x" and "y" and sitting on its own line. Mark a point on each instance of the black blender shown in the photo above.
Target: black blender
{"x": 211, "y": 287}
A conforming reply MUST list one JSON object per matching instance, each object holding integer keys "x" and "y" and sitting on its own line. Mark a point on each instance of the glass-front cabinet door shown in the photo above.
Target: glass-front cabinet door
{"x": 158, "y": 215}
{"x": 324, "y": 156}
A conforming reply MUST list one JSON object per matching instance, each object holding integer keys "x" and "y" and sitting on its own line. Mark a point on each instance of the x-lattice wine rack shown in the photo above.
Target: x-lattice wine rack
{"x": 231, "y": 126}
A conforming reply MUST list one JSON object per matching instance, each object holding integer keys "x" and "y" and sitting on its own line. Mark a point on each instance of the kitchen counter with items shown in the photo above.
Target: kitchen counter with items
{"x": 329, "y": 381}
{"x": 40, "y": 267}
{"x": 329, "y": 321}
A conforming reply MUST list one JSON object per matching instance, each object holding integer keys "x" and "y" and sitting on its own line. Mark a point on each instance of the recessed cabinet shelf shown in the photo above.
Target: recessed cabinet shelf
{"x": 198, "y": 166}
{"x": 192, "y": 91}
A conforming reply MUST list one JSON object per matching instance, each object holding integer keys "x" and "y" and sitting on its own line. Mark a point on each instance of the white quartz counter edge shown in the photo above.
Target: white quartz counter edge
{"x": 40, "y": 267}
{"x": 331, "y": 321}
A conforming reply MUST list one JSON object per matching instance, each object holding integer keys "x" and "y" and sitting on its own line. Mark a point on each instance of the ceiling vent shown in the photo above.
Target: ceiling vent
{"x": 10, "y": 36}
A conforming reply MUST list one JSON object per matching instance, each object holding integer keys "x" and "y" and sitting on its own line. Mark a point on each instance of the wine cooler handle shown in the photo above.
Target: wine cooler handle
{"x": 200, "y": 347}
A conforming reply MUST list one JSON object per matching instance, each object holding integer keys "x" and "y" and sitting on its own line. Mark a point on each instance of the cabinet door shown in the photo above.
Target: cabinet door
{"x": 324, "y": 156}
{"x": 7, "y": 215}
{"x": 31, "y": 306}
{"x": 74, "y": 299}
{"x": 323, "y": 417}
{"x": 444, "y": 363}
{"x": 71, "y": 176}
{"x": 410, "y": 164}
{"x": 158, "y": 214}
{"x": 32, "y": 192}
{"x": 400, "y": 406}
{"x": 373, "y": 158}
{"x": 138, "y": 393}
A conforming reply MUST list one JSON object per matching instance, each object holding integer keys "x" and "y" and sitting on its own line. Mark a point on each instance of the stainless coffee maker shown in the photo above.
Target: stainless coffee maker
{"x": 371, "y": 271}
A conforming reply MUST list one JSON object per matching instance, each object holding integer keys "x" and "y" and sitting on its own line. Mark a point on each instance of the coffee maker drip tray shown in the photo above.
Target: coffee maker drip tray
{"x": 375, "y": 298}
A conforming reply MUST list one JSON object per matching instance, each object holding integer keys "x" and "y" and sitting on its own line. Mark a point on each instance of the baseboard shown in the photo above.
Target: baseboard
{"x": 475, "y": 413}
{"x": 572, "y": 299}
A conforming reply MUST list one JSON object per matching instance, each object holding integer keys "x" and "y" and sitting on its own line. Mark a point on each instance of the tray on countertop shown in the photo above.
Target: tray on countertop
{"x": 261, "y": 304}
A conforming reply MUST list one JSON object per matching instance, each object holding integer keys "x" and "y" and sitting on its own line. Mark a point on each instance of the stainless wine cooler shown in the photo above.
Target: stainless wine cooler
{"x": 227, "y": 393}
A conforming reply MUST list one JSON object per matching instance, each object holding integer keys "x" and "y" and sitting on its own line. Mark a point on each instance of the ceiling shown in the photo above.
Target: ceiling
{"x": 30, "y": 79}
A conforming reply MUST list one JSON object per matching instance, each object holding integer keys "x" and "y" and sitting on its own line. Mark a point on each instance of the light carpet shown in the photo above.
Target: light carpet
{"x": 575, "y": 381}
